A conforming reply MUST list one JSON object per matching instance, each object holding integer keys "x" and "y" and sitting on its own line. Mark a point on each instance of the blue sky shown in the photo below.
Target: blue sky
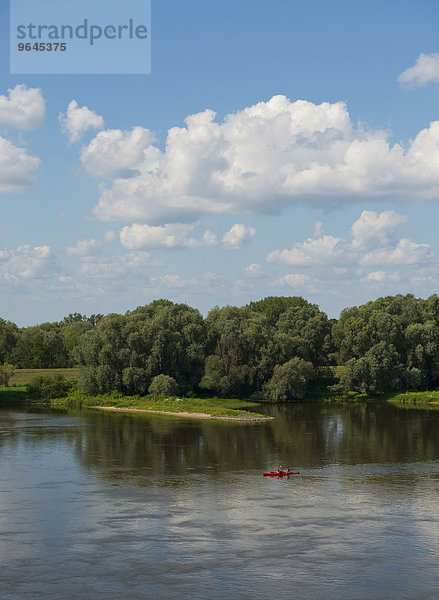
{"x": 207, "y": 182}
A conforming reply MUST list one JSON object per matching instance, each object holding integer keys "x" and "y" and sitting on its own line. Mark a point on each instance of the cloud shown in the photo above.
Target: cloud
{"x": 257, "y": 161}
{"x": 117, "y": 267}
{"x": 86, "y": 247}
{"x": 381, "y": 276}
{"x": 175, "y": 235}
{"x": 15, "y": 167}
{"x": 23, "y": 108}
{"x": 372, "y": 228}
{"x": 78, "y": 120}
{"x": 83, "y": 247}
{"x": 115, "y": 154}
{"x": 210, "y": 238}
{"x": 26, "y": 263}
{"x": 332, "y": 259}
{"x": 254, "y": 270}
{"x": 405, "y": 253}
{"x": 292, "y": 280}
{"x": 142, "y": 236}
{"x": 425, "y": 69}
{"x": 173, "y": 281}
{"x": 310, "y": 252}
{"x": 238, "y": 235}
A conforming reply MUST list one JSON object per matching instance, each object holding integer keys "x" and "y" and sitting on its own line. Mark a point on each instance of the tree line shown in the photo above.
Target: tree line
{"x": 274, "y": 349}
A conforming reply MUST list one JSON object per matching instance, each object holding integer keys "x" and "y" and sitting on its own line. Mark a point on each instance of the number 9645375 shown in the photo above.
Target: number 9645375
{"x": 42, "y": 47}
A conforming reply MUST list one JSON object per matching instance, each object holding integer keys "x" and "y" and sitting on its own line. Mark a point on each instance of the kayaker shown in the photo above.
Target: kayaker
{"x": 287, "y": 471}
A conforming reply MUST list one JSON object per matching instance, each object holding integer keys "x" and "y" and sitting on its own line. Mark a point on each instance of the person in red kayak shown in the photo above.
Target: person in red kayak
{"x": 281, "y": 470}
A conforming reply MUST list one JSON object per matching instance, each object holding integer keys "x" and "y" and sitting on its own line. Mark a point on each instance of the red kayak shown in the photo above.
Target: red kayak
{"x": 280, "y": 473}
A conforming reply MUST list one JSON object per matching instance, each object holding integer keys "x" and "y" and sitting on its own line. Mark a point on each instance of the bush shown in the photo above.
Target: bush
{"x": 46, "y": 387}
{"x": 163, "y": 385}
{"x": 290, "y": 381}
{"x": 6, "y": 372}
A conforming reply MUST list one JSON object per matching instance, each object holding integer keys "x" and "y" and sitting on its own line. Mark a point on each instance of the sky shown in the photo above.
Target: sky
{"x": 288, "y": 147}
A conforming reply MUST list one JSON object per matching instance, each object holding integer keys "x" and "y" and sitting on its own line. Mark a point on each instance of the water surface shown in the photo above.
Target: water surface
{"x": 105, "y": 505}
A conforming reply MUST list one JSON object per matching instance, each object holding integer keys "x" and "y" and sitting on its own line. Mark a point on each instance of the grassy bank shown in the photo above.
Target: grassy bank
{"x": 322, "y": 391}
{"x": 421, "y": 400}
{"x": 429, "y": 399}
{"x": 215, "y": 407}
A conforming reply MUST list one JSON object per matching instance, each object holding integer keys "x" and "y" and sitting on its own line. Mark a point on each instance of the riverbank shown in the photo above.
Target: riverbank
{"x": 423, "y": 400}
{"x": 209, "y": 408}
{"x": 428, "y": 399}
{"x": 198, "y": 408}
{"x": 244, "y": 417}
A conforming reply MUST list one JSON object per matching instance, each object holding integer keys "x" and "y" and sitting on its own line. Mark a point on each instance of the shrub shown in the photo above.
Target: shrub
{"x": 6, "y": 372}
{"x": 46, "y": 387}
{"x": 163, "y": 385}
{"x": 290, "y": 381}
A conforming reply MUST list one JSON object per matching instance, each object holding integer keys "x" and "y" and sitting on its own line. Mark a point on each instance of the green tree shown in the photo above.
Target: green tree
{"x": 389, "y": 344}
{"x": 41, "y": 347}
{"x": 378, "y": 371}
{"x": 163, "y": 385}
{"x": 8, "y": 338}
{"x": 290, "y": 381}
{"x": 235, "y": 340}
{"x": 124, "y": 352}
{"x": 72, "y": 334}
{"x": 6, "y": 372}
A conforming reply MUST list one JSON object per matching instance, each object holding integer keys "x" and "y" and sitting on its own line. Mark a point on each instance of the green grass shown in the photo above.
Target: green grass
{"x": 422, "y": 400}
{"x": 217, "y": 407}
{"x": 428, "y": 399}
{"x": 24, "y": 376}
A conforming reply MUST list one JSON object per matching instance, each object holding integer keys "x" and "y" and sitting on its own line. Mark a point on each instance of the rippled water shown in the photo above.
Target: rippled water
{"x": 122, "y": 506}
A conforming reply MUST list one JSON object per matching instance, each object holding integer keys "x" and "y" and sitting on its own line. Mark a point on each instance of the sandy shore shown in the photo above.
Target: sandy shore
{"x": 191, "y": 415}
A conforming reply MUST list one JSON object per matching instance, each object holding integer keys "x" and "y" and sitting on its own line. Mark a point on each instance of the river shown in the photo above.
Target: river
{"x": 110, "y": 506}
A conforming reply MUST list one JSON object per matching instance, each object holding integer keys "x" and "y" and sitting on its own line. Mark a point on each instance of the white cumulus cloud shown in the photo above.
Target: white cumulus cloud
{"x": 173, "y": 281}
{"x": 292, "y": 280}
{"x": 176, "y": 235}
{"x": 78, "y": 120}
{"x": 16, "y": 166}
{"x": 373, "y": 228}
{"x": 406, "y": 252}
{"x": 210, "y": 238}
{"x": 238, "y": 235}
{"x": 115, "y": 154}
{"x": 83, "y": 247}
{"x": 26, "y": 262}
{"x": 141, "y": 236}
{"x": 313, "y": 251}
{"x": 258, "y": 160}
{"x": 329, "y": 258}
{"x": 382, "y": 276}
{"x": 23, "y": 108}
{"x": 254, "y": 270}
{"x": 425, "y": 69}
